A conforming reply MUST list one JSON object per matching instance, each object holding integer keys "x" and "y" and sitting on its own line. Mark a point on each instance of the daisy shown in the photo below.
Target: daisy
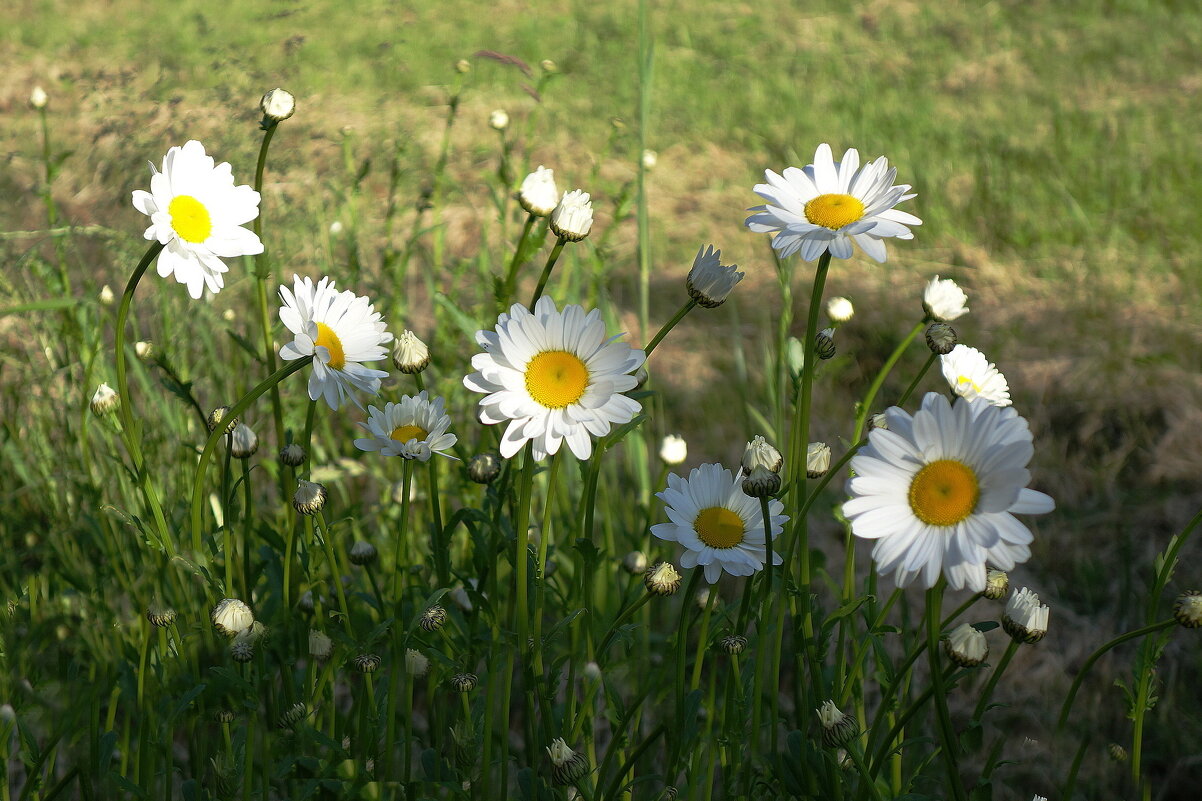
{"x": 415, "y": 428}
{"x": 720, "y": 527}
{"x": 939, "y": 490}
{"x": 197, "y": 213}
{"x": 972, "y": 376}
{"x": 830, "y": 203}
{"x": 340, "y": 331}
{"x": 554, "y": 377}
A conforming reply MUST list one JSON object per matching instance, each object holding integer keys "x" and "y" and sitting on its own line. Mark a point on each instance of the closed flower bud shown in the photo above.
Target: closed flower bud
{"x": 761, "y": 483}
{"x": 1187, "y": 609}
{"x": 230, "y": 616}
{"x": 941, "y": 338}
{"x": 363, "y": 553}
{"x": 548, "y": 66}
{"x": 409, "y": 354}
{"x": 483, "y": 468}
{"x": 567, "y": 767}
{"x": 244, "y": 442}
{"x": 839, "y": 310}
{"x": 144, "y": 350}
{"x": 160, "y": 615}
{"x": 277, "y": 105}
{"x": 943, "y": 301}
{"x": 824, "y": 343}
{"x": 293, "y": 715}
{"x": 292, "y": 455}
{"x": 709, "y": 281}
{"x": 433, "y": 619}
{"x": 1117, "y": 752}
{"x": 591, "y": 671}
{"x": 818, "y": 459}
{"x": 310, "y": 497}
{"x": 662, "y": 579}
{"x": 105, "y": 400}
{"x": 1025, "y": 619}
{"x": 367, "y": 663}
{"x": 997, "y": 584}
{"x": 650, "y": 159}
{"x": 106, "y": 296}
{"x": 320, "y": 645}
{"x": 306, "y": 601}
{"x": 416, "y": 663}
{"x": 464, "y": 682}
{"x": 498, "y": 119}
{"x": 242, "y": 650}
{"x": 572, "y": 219}
{"x": 221, "y": 417}
{"x": 733, "y": 644}
{"x": 635, "y": 563}
{"x": 878, "y": 420}
{"x": 837, "y": 728}
{"x": 538, "y": 194}
{"x": 463, "y": 66}
{"x": 966, "y": 646}
{"x": 38, "y": 98}
{"x": 759, "y": 453}
{"x": 673, "y": 450}
{"x": 224, "y": 716}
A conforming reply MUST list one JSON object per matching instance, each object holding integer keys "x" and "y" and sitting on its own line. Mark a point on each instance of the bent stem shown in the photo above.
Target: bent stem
{"x": 511, "y": 276}
{"x": 668, "y": 326}
{"x": 542, "y": 279}
{"x": 947, "y": 734}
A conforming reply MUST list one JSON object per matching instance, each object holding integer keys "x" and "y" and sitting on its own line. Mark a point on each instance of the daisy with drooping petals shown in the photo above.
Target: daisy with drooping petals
{"x": 972, "y": 376}
{"x": 197, "y": 213}
{"x": 415, "y": 428}
{"x": 829, "y": 203}
{"x": 554, "y": 377}
{"x": 340, "y": 331}
{"x": 938, "y": 492}
{"x": 720, "y": 526}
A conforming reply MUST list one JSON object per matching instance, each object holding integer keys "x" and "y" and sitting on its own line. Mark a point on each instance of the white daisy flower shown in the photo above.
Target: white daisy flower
{"x": 415, "y": 428}
{"x": 829, "y": 203}
{"x": 939, "y": 490}
{"x": 943, "y": 300}
{"x": 340, "y": 331}
{"x": 720, "y": 527}
{"x": 197, "y": 213}
{"x": 972, "y": 376}
{"x": 554, "y": 377}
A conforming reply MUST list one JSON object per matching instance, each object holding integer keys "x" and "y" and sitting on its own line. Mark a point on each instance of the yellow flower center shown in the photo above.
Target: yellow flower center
{"x": 944, "y": 492}
{"x": 190, "y": 218}
{"x": 556, "y": 379}
{"x": 834, "y": 211}
{"x": 718, "y": 527}
{"x": 406, "y": 433}
{"x": 327, "y": 339}
{"x": 964, "y": 381}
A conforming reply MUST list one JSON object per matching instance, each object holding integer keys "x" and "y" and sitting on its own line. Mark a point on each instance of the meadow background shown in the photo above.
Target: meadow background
{"x": 1054, "y": 147}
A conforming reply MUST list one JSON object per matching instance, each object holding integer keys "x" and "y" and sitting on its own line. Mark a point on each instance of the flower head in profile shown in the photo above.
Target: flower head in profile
{"x": 197, "y": 213}
{"x": 538, "y": 193}
{"x": 554, "y": 377}
{"x": 710, "y": 282}
{"x": 415, "y": 428}
{"x": 943, "y": 300}
{"x": 972, "y": 376}
{"x": 938, "y": 492}
{"x": 340, "y": 330}
{"x": 827, "y": 205}
{"x": 719, "y": 526}
{"x": 572, "y": 219}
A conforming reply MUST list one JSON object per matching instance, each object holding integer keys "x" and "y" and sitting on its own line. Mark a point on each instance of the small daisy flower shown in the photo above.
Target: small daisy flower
{"x": 710, "y": 282}
{"x": 840, "y": 310}
{"x": 415, "y": 428}
{"x": 972, "y": 376}
{"x": 938, "y": 492}
{"x": 554, "y": 377}
{"x": 572, "y": 219}
{"x": 720, "y": 527}
{"x": 830, "y": 203}
{"x": 943, "y": 300}
{"x": 197, "y": 213}
{"x": 538, "y": 193}
{"x": 340, "y": 330}
{"x": 673, "y": 450}
{"x": 1025, "y": 618}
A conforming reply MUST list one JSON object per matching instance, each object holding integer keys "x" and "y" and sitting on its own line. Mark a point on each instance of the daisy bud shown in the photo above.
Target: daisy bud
{"x": 943, "y": 301}
{"x": 567, "y": 767}
{"x": 1039, "y": 798}
{"x": 417, "y": 664}
{"x": 310, "y": 497}
{"x": 538, "y": 194}
{"x": 224, "y": 716}
{"x": 143, "y": 350}
{"x": 733, "y": 644}
{"x": 292, "y": 455}
{"x": 941, "y": 338}
{"x": 635, "y": 563}
{"x": 824, "y": 344}
{"x": 702, "y": 598}
{"x": 818, "y": 459}
{"x": 106, "y": 296}
{"x": 320, "y": 645}
{"x": 668, "y": 793}
{"x": 244, "y": 442}
{"x": 1117, "y": 752}
{"x": 221, "y": 416}
{"x": 306, "y": 601}
{"x": 1025, "y": 619}
{"x": 761, "y": 483}
{"x": 966, "y": 646}
{"x": 548, "y": 66}
{"x": 277, "y": 105}
{"x": 673, "y": 450}
{"x": 460, "y": 598}
{"x": 1187, "y": 609}
{"x": 242, "y": 649}
{"x": 839, "y": 310}
{"x": 336, "y": 228}
{"x": 362, "y": 553}
{"x": 230, "y": 616}
{"x": 760, "y": 454}
{"x": 159, "y": 615}
{"x": 997, "y": 584}
{"x": 293, "y": 715}
{"x": 38, "y": 98}
{"x": 463, "y": 66}
{"x": 591, "y": 671}
{"x": 367, "y": 663}
{"x": 650, "y": 159}
{"x": 795, "y": 357}
{"x": 572, "y": 219}
{"x": 433, "y": 618}
{"x": 409, "y": 354}
{"x": 710, "y": 282}
{"x": 878, "y": 420}
{"x": 105, "y": 400}
{"x": 498, "y": 119}
{"x": 483, "y": 468}
{"x": 229, "y": 315}
{"x": 662, "y": 579}
{"x": 837, "y": 728}
{"x": 464, "y": 682}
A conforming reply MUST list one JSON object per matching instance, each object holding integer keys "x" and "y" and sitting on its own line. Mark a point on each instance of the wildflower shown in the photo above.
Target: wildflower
{"x": 409, "y": 354}
{"x": 997, "y": 584}
{"x": 483, "y": 468}
{"x": 38, "y": 98}
{"x": 464, "y": 682}
{"x": 548, "y": 66}
{"x": 673, "y": 450}
{"x": 336, "y": 228}
{"x": 197, "y": 213}
{"x": 294, "y": 715}
{"x": 292, "y": 455}
{"x": 709, "y": 281}
{"x": 277, "y": 105}
{"x": 719, "y": 526}
{"x": 1117, "y": 752}
{"x": 104, "y": 400}
{"x": 362, "y": 553}
{"x": 160, "y": 615}
{"x": 555, "y": 377}
{"x": 966, "y": 646}
{"x": 367, "y": 663}
{"x": 828, "y": 204}
{"x": 433, "y": 618}
{"x": 972, "y": 376}
{"x": 224, "y": 715}
{"x": 839, "y": 309}
{"x": 320, "y": 645}
{"x": 310, "y": 498}
{"x": 243, "y": 442}
{"x": 106, "y": 296}
{"x": 733, "y": 644}
{"x": 650, "y": 159}
{"x": 230, "y": 616}
{"x": 941, "y": 338}
{"x": 591, "y": 671}
{"x": 1025, "y": 619}
{"x": 340, "y": 331}
{"x": 838, "y": 728}
{"x": 662, "y": 579}
{"x": 144, "y": 350}
{"x": 219, "y": 417}
{"x": 635, "y": 563}
{"x": 538, "y": 194}
{"x": 1187, "y": 609}
{"x": 943, "y": 301}
{"x": 572, "y": 219}
{"x": 824, "y": 344}
{"x": 567, "y": 766}
{"x": 818, "y": 459}
{"x": 498, "y": 119}
{"x": 759, "y": 453}
{"x": 417, "y": 664}
{"x": 463, "y": 66}
{"x": 415, "y": 428}
{"x": 242, "y": 649}
{"x": 938, "y": 491}
{"x": 761, "y": 483}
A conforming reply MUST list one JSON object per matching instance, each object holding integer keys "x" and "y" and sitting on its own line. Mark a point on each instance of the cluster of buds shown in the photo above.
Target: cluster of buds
{"x": 761, "y": 468}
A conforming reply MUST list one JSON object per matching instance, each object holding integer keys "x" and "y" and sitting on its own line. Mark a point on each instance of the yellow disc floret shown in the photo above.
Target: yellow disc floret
{"x": 719, "y": 527}
{"x": 556, "y": 378}
{"x": 327, "y": 339}
{"x": 406, "y": 433}
{"x": 190, "y": 219}
{"x": 834, "y": 211}
{"x": 944, "y": 492}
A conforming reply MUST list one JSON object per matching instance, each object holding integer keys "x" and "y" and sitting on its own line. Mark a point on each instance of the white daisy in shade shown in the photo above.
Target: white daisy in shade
{"x": 415, "y": 428}
{"x": 197, "y": 213}
{"x": 554, "y": 377}
{"x": 720, "y": 527}
{"x": 938, "y": 492}
{"x": 340, "y": 331}
{"x": 829, "y": 203}
{"x": 972, "y": 376}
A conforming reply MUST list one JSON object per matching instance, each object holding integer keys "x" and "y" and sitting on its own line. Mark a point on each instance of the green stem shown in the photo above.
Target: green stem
{"x": 542, "y": 279}
{"x": 440, "y": 542}
{"x": 402, "y": 547}
{"x": 947, "y": 734}
{"x": 879, "y": 381}
{"x": 335, "y": 577}
{"x": 511, "y": 275}
{"x": 668, "y": 326}
{"x": 620, "y": 621}
{"x": 521, "y": 556}
{"x": 994, "y": 677}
